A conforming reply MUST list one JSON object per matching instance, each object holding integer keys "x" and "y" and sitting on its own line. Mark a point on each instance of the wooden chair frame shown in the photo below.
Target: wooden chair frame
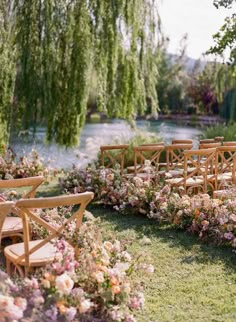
{"x": 118, "y": 158}
{"x": 205, "y": 141}
{"x": 209, "y": 145}
{"x": 229, "y": 143}
{"x": 226, "y": 165}
{"x": 182, "y": 142}
{"x": 17, "y": 228}
{"x": 5, "y": 209}
{"x": 143, "y": 153}
{"x": 175, "y": 155}
{"x": 202, "y": 174}
{"x": 26, "y": 208}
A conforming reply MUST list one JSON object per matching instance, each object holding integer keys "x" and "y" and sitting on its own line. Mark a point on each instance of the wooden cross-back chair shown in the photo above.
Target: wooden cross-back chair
{"x": 144, "y": 153}
{"x": 5, "y": 209}
{"x": 113, "y": 154}
{"x": 182, "y": 141}
{"x": 24, "y": 256}
{"x": 199, "y": 171}
{"x": 175, "y": 155}
{"x": 13, "y": 226}
{"x": 209, "y": 145}
{"x": 226, "y": 165}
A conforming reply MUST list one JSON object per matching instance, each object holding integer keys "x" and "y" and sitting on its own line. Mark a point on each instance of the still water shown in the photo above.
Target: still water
{"x": 95, "y": 134}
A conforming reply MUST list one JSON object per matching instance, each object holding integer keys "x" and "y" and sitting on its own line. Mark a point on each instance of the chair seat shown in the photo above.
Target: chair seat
{"x": 45, "y": 254}
{"x": 131, "y": 168}
{"x": 189, "y": 182}
{"x": 224, "y": 176}
{"x": 11, "y": 226}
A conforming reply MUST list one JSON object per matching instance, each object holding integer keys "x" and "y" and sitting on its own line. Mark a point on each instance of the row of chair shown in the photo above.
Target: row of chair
{"x": 183, "y": 162}
{"x": 33, "y": 253}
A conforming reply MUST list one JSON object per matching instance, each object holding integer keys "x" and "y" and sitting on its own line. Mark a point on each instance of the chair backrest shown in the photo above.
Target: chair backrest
{"x": 175, "y": 155}
{"x": 207, "y": 141}
{"x": 113, "y": 154}
{"x": 152, "y": 144}
{"x": 209, "y": 145}
{"x": 182, "y": 142}
{"x": 200, "y": 163}
{"x": 229, "y": 143}
{"x": 143, "y": 153}
{"x": 5, "y": 208}
{"x": 226, "y": 157}
{"x": 219, "y": 138}
{"x": 33, "y": 182}
{"x": 27, "y": 209}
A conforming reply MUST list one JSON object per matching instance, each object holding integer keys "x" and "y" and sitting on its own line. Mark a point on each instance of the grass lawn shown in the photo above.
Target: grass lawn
{"x": 191, "y": 282}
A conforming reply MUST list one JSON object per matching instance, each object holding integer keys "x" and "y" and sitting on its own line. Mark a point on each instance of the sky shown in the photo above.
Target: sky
{"x": 198, "y": 18}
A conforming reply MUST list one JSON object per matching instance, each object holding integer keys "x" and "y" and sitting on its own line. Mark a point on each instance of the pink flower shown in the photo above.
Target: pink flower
{"x": 229, "y": 236}
{"x": 137, "y": 301}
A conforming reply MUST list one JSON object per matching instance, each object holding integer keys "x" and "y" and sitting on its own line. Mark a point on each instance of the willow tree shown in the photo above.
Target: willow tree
{"x": 7, "y": 67}
{"x": 62, "y": 43}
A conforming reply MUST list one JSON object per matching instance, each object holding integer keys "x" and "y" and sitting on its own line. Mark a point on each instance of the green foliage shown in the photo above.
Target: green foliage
{"x": 61, "y": 45}
{"x": 228, "y": 131}
{"x": 7, "y": 69}
{"x": 226, "y": 37}
{"x": 171, "y": 80}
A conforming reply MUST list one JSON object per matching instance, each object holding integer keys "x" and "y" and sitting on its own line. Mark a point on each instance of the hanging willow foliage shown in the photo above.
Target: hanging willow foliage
{"x": 7, "y": 68}
{"x": 62, "y": 43}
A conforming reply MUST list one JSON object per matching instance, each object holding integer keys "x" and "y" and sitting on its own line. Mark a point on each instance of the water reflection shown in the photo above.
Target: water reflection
{"x": 94, "y": 135}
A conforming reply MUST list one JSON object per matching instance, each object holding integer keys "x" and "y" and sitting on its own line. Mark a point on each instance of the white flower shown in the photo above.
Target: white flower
{"x": 85, "y": 305}
{"x": 64, "y": 284}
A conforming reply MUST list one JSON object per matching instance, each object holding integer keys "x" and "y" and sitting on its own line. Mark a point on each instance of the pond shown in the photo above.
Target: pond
{"x": 96, "y": 134}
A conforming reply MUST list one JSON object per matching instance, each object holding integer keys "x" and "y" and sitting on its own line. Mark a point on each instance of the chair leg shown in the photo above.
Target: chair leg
{"x": 8, "y": 263}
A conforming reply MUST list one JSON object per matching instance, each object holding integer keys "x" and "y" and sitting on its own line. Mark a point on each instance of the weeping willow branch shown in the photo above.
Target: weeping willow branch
{"x": 62, "y": 43}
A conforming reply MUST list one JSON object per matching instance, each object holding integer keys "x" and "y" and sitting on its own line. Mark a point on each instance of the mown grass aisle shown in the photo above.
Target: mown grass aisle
{"x": 192, "y": 281}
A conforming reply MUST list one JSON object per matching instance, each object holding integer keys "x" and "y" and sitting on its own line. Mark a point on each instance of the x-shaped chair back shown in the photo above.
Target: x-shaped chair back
{"x": 113, "y": 154}
{"x": 202, "y": 165}
{"x": 175, "y": 155}
{"x": 13, "y": 225}
{"x": 143, "y": 153}
{"x": 27, "y": 210}
{"x": 226, "y": 157}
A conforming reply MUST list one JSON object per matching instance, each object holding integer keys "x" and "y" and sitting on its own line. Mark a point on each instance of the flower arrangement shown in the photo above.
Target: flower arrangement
{"x": 13, "y": 167}
{"x": 94, "y": 286}
{"x": 211, "y": 219}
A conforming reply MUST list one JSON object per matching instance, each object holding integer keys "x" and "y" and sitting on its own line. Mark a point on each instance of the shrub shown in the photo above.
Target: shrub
{"x": 228, "y": 131}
